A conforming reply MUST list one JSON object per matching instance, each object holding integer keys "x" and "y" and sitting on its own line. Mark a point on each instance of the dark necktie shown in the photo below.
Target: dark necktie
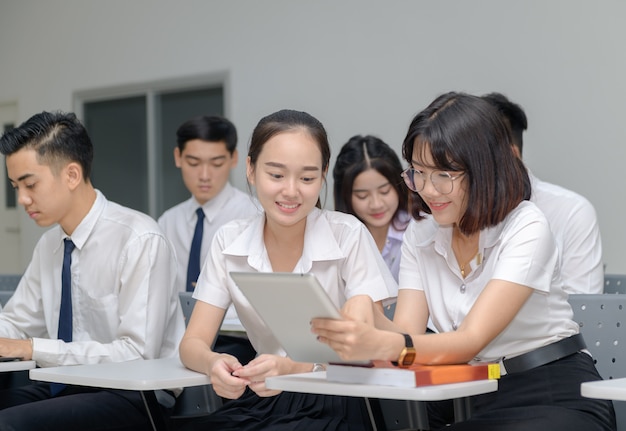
{"x": 65, "y": 313}
{"x": 193, "y": 267}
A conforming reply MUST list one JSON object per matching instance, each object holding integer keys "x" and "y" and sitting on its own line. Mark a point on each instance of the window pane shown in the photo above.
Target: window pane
{"x": 118, "y": 131}
{"x": 175, "y": 108}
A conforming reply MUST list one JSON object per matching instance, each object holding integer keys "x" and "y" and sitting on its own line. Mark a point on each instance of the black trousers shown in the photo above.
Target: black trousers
{"x": 31, "y": 407}
{"x": 543, "y": 398}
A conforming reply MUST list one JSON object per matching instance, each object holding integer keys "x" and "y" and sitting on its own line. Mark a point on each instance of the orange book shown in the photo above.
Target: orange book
{"x": 386, "y": 374}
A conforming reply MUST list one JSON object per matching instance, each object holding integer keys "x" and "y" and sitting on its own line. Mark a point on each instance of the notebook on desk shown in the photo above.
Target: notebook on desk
{"x": 287, "y": 302}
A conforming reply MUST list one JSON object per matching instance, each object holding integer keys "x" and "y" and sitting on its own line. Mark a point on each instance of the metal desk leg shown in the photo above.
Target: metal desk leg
{"x": 376, "y": 414}
{"x": 462, "y": 409}
{"x": 413, "y": 414}
{"x": 157, "y": 420}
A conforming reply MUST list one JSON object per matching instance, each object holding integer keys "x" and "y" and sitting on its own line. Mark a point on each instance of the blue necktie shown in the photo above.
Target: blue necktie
{"x": 65, "y": 313}
{"x": 193, "y": 267}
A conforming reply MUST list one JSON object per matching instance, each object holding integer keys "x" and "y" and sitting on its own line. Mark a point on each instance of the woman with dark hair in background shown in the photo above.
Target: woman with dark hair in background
{"x": 367, "y": 184}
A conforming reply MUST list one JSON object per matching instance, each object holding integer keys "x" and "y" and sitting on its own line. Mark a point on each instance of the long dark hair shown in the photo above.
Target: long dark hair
{"x": 358, "y": 155}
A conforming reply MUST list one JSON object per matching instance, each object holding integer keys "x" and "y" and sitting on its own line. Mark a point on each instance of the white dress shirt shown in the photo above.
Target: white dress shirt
{"x": 125, "y": 304}
{"x": 574, "y": 223}
{"x": 179, "y": 222}
{"x": 521, "y": 250}
{"x": 338, "y": 249}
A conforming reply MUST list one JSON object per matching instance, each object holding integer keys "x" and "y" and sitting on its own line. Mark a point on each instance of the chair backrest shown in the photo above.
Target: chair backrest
{"x": 186, "y": 302}
{"x": 195, "y": 400}
{"x": 614, "y": 283}
{"x": 602, "y": 320}
{"x": 8, "y": 282}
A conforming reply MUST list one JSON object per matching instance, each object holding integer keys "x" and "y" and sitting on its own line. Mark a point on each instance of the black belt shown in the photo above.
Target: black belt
{"x": 545, "y": 355}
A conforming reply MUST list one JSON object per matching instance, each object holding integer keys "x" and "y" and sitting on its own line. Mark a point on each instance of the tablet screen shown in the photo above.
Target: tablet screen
{"x": 287, "y": 302}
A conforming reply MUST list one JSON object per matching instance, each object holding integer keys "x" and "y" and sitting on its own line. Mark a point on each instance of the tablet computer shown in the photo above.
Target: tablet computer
{"x": 287, "y": 302}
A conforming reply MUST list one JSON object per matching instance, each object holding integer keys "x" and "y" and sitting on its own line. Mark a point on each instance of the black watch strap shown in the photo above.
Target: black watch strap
{"x": 408, "y": 341}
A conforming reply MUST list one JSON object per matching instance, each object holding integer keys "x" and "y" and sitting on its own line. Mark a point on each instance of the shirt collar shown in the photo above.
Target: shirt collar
{"x": 212, "y": 207}
{"x": 87, "y": 224}
{"x": 250, "y": 243}
{"x": 403, "y": 218}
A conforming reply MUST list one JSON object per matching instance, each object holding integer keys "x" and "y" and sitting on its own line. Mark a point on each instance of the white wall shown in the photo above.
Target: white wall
{"x": 359, "y": 66}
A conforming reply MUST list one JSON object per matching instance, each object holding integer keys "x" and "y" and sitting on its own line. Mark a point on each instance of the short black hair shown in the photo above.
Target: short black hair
{"x": 57, "y": 137}
{"x": 465, "y": 133}
{"x": 211, "y": 128}
{"x": 513, "y": 114}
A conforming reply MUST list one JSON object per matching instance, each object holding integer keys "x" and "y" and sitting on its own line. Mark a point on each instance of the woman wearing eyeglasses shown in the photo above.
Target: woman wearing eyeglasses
{"x": 482, "y": 264}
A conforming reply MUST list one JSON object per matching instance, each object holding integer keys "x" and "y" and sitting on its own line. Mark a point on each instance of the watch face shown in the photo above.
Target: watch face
{"x": 407, "y": 357}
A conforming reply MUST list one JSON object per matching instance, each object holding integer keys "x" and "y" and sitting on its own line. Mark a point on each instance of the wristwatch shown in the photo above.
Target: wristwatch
{"x": 318, "y": 367}
{"x": 407, "y": 355}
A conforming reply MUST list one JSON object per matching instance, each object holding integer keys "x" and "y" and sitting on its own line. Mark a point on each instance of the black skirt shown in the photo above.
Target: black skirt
{"x": 286, "y": 411}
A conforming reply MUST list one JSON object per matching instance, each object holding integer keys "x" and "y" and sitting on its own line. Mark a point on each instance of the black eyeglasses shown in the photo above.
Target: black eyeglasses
{"x": 442, "y": 181}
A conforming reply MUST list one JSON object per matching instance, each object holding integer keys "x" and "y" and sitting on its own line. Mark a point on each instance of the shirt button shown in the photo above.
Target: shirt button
{"x": 454, "y": 327}
{"x": 462, "y": 288}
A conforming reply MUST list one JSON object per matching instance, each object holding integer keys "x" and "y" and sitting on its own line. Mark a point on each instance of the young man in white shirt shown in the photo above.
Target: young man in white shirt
{"x": 206, "y": 152}
{"x": 572, "y": 217}
{"x": 100, "y": 286}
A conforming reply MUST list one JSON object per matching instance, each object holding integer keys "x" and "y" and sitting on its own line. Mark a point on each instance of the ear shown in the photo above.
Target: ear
{"x": 177, "y": 157}
{"x": 234, "y": 158}
{"x": 249, "y": 171}
{"x": 73, "y": 174}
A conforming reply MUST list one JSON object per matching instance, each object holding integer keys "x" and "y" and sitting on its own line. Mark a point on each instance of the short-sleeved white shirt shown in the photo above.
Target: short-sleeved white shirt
{"x": 338, "y": 249}
{"x": 575, "y": 228}
{"x": 521, "y": 250}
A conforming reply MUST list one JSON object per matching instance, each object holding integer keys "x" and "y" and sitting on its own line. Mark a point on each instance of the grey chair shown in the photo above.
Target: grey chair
{"x": 615, "y": 283}
{"x": 8, "y": 283}
{"x": 601, "y": 318}
{"x": 195, "y": 400}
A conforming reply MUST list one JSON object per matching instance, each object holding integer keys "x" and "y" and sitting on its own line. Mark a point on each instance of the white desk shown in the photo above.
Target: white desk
{"x": 316, "y": 383}
{"x": 614, "y": 389}
{"x": 145, "y": 376}
{"x": 6, "y": 367}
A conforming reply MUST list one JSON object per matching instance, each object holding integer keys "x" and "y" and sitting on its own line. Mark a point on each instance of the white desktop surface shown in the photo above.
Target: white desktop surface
{"x": 6, "y": 367}
{"x": 316, "y": 383}
{"x": 614, "y": 389}
{"x": 139, "y": 375}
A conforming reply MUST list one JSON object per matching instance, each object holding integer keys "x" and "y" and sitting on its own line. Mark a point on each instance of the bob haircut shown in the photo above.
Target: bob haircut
{"x": 358, "y": 155}
{"x": 466, "y": 134}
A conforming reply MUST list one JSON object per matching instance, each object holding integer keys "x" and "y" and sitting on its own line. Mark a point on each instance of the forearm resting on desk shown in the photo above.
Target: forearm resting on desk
{"x": 16, "y": 348}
